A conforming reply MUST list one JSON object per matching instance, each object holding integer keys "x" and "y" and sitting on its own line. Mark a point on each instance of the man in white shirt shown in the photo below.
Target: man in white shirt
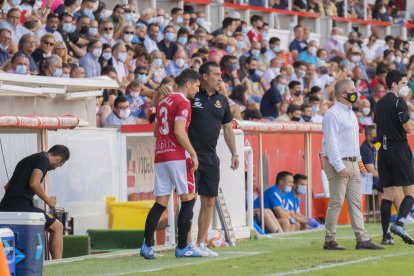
{"x": 334, "y": 47}
{"x": 150, "y": 41}
{"x": 52, "y": 24}
{"x": 389, "y": 45}
{"x": 12, "y": 23}
{"x": 340, "y": 148}
{"x": 121, "y": 114}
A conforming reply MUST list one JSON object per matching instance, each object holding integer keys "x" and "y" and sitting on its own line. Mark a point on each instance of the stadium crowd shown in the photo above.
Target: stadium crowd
{"x": 263, "y": 80}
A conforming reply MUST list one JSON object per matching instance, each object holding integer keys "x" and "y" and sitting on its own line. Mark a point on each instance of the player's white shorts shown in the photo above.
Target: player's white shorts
{"x": 174, "y": 174}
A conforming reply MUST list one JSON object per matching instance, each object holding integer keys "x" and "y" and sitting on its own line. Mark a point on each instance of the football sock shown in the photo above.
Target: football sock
{"x": 385, "y": 215}
{"x": 184, "y": 222}
{"x": 405, "y": 208}
{"x": 153, "y": 217}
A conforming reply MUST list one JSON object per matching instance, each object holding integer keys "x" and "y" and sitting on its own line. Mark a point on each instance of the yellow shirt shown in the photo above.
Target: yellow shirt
{"x": 329, "y": 10}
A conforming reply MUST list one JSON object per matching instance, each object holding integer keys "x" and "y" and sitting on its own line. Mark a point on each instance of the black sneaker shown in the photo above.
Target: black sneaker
{"x": 387, "y": 239}
{"x": 368, "y": 245}
{"x": 400, "y": 231}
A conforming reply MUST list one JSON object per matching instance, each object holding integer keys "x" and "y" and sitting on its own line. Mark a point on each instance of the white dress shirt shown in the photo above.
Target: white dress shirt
{"x": 42, "y": 31}
{"x": 340, "y": 135}
{"x": 17, "y": 32}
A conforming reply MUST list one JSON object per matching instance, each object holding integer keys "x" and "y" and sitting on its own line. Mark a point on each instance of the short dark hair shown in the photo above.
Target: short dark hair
{"x": 249, "y": 60}
{"x": 304, "y": 106}
{"x": 226, "y": 59}
{"x": 120, "y": 99}
{"x": 296, "y": 64}
{"x": 293, "y": 84}
{"x": 108, "y": 69}
{"x": 292, "y": 108}
{"x": 388, "y": 38}
{"x": 92, "y": 43}
{"x": 315, "y": 89}
{"x": 314, "y": 98}
{"x": 282, "y": 176}
{"x": 255, "y": 18}
{"x": 61, "y": 151}
{"x": 175, "y": 11}
{"x": 188, "y": 75}
{"x": 297, "y": 27}
{"x": 183, "y": 31}
{"x": 394, "y": 76}
{"x": 227, "y": 22}
{"x": 205, "y": 67}
{"x": 298, "y": 177}
{"x": 251, "y": 113}
{"x": 273, "y": 40}
{"x": 369, "y": 129}
{"x": 52, "y": 15}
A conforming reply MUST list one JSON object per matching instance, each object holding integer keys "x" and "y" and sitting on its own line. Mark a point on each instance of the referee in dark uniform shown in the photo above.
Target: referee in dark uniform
{"x": 210, "y": 111}
{"x": 395, "y": 161}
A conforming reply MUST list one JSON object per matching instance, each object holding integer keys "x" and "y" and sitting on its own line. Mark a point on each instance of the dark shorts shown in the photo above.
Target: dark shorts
{"x": 396, "y": 165}
{"x": 207, "y": 177}
{"x": 12, "y": 207}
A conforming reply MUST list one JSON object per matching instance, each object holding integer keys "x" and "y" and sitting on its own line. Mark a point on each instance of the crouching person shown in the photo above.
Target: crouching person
{"x": 26, "y": 182}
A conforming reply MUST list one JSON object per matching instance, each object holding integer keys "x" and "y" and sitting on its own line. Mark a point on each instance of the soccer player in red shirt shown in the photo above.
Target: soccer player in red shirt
{"x": 175, "y": 163}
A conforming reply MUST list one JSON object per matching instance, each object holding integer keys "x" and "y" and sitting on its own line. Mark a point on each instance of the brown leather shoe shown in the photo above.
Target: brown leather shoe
{"x": 332, "y": 245}
{"x": 368, "y": 245}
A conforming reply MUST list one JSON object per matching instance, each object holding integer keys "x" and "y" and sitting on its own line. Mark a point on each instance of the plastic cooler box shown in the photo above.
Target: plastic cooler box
{"x": 7, "y": 238}
{"x": 128, "y": 215}
{"x": 28, "y": 229}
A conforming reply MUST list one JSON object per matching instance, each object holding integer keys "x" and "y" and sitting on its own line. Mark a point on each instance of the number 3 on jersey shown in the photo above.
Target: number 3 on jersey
{"x": 164, "y": 129}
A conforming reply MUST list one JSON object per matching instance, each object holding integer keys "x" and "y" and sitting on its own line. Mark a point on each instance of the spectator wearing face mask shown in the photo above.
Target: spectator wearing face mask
{"x": 299, "y": 68}
{"x": 334, "y": 47}
{"x": 219, "y": 49}
{"x": 178, "y": 64}
{"x": 309, "y": 56}
{"x": 273, "y": 71}
{"x": 52, "y": 24}
{"x": 77, "y": 71}
{"x": 117, "y": 18}
{"x": 122, "y": 66}
{"x": 272, "y": 99}
{"x": 27, "y": 46}
{"x": 52, "y": 67}
{"x": 361, "y": 84}
{"x": 229, "y": 26}
{"x": 146, "y": 16}
{"x": 257, "y": 85}
{"x": 86, "y": 9}
{"x": 306, "y": 109}
{"x": 366, "y": 119}
{"x": 315, "y": 103}
{"x": 5, "y": 38}
{"x": 66, "y": 68}
{"x": 121, "y": 114}
{"x": 177, "y": 18}
{"x": 90, "y": 62}
{"x": 19, "y": 64}
{"x": 157, "y": 70}
{"x": 296, "y": 93}
{"x": 106, "y": 32}
{"x": 229, "y": 69}
{"x": 387, "y": 61}
{"x": 136, "y": 101}
{"x": 167, "y": 45}
{"x": 274, "y": 48}
{"x": 106, "y": 57}
{"x": 127, "y": 35}
{"x": 293, "y": 114}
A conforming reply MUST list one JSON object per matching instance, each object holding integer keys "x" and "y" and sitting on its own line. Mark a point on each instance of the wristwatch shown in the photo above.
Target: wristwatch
{"x": 235, "y": 154}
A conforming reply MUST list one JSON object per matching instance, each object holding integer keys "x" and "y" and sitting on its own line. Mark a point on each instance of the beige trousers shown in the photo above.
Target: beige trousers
{"x": 339, "y": 189}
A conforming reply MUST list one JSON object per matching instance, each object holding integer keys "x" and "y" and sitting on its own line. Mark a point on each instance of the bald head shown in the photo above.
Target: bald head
{"x": 342, "y": 86}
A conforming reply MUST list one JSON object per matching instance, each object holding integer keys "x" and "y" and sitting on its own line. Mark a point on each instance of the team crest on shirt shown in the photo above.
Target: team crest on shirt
{"x": 353, "y": 98}
{"x": 217, "y": 104}
{"x": 184, "y": 113}
{"x": 197, "y": 103}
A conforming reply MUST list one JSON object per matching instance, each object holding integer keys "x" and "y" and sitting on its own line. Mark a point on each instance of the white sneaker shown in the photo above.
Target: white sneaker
{"x": 198, "y": 250}
{"x": 203, "y": 247}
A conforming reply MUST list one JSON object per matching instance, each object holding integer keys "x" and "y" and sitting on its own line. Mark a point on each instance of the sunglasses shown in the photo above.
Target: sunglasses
{"x": 49, "y": 43}
{"x": 129, "y": 33}
{"x": 108, "y": 29}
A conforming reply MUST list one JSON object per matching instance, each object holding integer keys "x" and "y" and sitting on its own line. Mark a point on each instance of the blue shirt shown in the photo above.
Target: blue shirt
{"x": 369, "y": 156}
{"x": 174, "y": 70}
{"x": 293, "y": 202}
{"x": 268, "y": 105}
{"x": 4, "y": 56}
{"x": 137, "y": 106}
{"x": 273, "y": 197}
{"x": 91, "y": 65}
{"x": 298, "y": 45}
{"x": 306, "y": 57}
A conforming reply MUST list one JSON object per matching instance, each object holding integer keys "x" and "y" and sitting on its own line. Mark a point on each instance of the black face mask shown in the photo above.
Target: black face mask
{"x": 295, "y": 119}
{"x": 115, "y": 19}
{"x": 84, "y": 30}
{"x": 252, "y": 71}
{"x": 221, "y": 46}
{"x": 374, "y": 140}
{"x": 351, "y": 97}
{"x": 352, "y": 41}
{"x": 298, "y": 93}
{"x": 192, "y": 21}
{"x": 263, "y": 50}
{"x": 306, "y": 118}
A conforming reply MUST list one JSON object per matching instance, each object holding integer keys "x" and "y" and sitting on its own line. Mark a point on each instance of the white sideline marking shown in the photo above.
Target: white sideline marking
{"x": 202, "y": 261}
{"x": 327, "y": 266}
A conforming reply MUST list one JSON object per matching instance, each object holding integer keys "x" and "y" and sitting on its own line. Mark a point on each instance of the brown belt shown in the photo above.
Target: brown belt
{"x": 351, "y": 159}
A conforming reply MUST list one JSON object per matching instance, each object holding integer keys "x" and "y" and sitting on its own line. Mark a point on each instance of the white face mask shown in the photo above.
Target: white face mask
{"x": 403, "y": 92}
{"x": 108, "y": 36}
{"x": 128, "y": 37}
{"x": 392, "y": 58}
{"x": 366, "y": 111}
{"x": 134, "y": 94}
{"x": 398, "y": 59}
{"x": 97, "y": 52}
{"x": 180, "y": 62}
{"x": 107, "y": 56}
{"x": 122, "y": 57}
{"x": 124, "y": 114}
{"x": 356, "y": 58}
{"x": 276, "y": 70}
{"x": 336, "y": 38}
{"x": 312, "y": 50}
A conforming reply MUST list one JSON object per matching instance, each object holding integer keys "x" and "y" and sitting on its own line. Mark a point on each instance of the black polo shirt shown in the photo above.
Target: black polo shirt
{"x": 168, "y": 51}
{"x": 19, "y": 192}
{"x": 208, "y": 114}
{"x": 391, "y": 112}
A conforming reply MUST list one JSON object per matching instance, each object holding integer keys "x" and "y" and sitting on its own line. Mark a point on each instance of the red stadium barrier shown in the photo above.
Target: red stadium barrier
{"x": 39, "y": 122}
{"x": 271, "y": 10}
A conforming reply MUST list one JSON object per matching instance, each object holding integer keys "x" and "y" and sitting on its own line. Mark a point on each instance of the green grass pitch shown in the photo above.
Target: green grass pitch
{"x": 280, "y": 255}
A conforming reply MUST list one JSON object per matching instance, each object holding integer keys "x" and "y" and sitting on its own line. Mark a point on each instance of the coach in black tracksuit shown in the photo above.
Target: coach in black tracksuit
{"x": 395, "y": 161}
{"x": 210, "y": 111}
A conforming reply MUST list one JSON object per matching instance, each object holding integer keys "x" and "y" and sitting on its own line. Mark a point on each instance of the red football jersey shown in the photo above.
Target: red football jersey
{"x": 254, "y": 36}
{"x": 170, "y": 109}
